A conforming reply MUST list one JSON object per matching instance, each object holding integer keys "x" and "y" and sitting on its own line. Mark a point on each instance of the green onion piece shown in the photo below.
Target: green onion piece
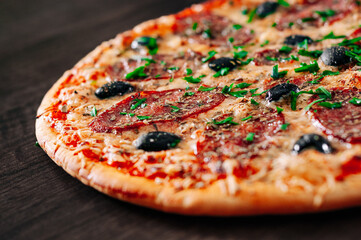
{"x": 231, "y": 39}
{"x": 254, "y": 102}
{"x": 225, "y": 121}
{"x": 331, "y": 35}
{"x": 243, "y": 85}
{"x": 312, "y": 67}
{"x": 331, "y": 105}
{"x": 283, "y": 3}
{"x": 276, "y": 75}
{"x": 192, "y": 79}
{"x": 279, "y": 110}
{"x": 194, "y": 26}
{"x": 356, "y": 101}
{"x": 187, "y": 94}
{"x": 265, "y": 43}
{"x": 238, "y": 94}
{"x": 312, "y": 54}
{"x": 222, "y": 72}
{"x": 175, "y": 109}
{"x": 285, "y": 49}
{"x": 284, "y": 126}
{"x": 303, "y": 44}
{"x": 148, "y": 61}
{"x": 138, "y": 103}
{"x": 94, "y": 112}
{"x": 205, "y": 89}
{"x": 210, "y": 55}
{"x": 189, "y": 71}
{"x": 237, "y": 26}
{"x": 207, "y": 33}
{"x": 239, "y": 55}
{"x": 251, "y": 15}
{"x": 250, "y": 137}
{"x": 143, "y": 117}
{"x": 137, "y": 73}
{"x": 246, "y": 118}
{"x": 314, "y": 102}
{"x": 325, "y": 14}
{"x": 323, "y": 93}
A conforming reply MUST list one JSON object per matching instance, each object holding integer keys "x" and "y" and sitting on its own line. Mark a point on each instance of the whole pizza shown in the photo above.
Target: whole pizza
{"x": 226, "y": 108}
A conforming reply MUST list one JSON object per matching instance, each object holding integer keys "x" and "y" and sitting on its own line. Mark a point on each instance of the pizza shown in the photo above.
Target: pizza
{"x": 225, "y": 108}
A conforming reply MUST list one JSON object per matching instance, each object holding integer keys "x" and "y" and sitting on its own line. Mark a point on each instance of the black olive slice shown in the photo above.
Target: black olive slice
{"x": 157, "y": 141}
{"x": 335, "y": 56}
{"x": 293, "y": 40}
{"x": 280, "y": 90}
{"x": 113, "y": 88}
{"x": 312, "y": 141}
{"x": 266, "y": 9}
{"x": 223, "y": 62}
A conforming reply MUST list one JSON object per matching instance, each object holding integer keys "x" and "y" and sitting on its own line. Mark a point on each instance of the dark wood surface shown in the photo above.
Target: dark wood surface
{"x": 39, "y": 40}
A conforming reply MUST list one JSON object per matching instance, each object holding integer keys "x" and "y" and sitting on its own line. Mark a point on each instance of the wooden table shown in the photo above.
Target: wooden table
{"x": 39, "y": 40}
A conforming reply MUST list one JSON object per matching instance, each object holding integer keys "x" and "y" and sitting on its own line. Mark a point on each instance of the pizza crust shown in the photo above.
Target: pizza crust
{"x": 221, "y": 198}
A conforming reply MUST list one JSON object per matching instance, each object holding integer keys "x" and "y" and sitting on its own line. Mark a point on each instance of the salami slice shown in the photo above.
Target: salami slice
{"x": 149, "y": 107}
{"x": 316, "y": 14}
{"x": 242, "y": 142}
{"x": 344, "y": 122}
{"x": 159, "y": 66}
{"x": 211, "y": 29}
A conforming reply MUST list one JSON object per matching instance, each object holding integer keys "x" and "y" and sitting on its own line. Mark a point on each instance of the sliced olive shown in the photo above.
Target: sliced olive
{"x": 293, "y": 40}
{"x": 113, "y": 88}
{"x": 223, "y": 62}
{"x": 281, "y": 90}
{"x": 335, "y": 56}
{"x": 157, "y": 141}
{"x": 312, "y": 141}
{"x": 266, "y": 9}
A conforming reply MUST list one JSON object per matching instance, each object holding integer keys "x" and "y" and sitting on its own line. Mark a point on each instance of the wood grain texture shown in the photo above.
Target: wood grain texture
{"x": 39, "y": 40}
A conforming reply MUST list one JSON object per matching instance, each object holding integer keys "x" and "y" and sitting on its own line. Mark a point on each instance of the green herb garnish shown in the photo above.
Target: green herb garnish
{"x": 279, "y": 110}
{"x": 264, "y": 43}
{"x": 312, "y": 103}
{"x": 192, "y": 79}
{"x": 326, "y": 73}
{"x": 194, "y": 26}
{"x": 125, "y": 113}
{"x": 330, "y": 105}
{"x": 231, "y": 39}
{"x": 285, "y": 49}
{"x": 148, "y": 61}
{"x": 137, "y": 73}
{"x": 187, "y": 94}
{"x": 254, "y": 102}
{"x": 138, "y": 103}
{"x": 225, "y": 121}
{"x": 331, "y": 35}
{"x": 207, "y": 33}
{"x": 143, "y": 117}
{"x": 189, "y": 71}
{"x": 284, "y": 126}
{"x": 251, "y": 15}
{"x": 205, "y": 89}
{"x": 250, "y": 137}
{"x": 93, "y": 112}
{"x": 210, "y": 55}
{"x": 325, "y": 14}
{"x": 312, "y": 67}
{"x": 312, "y": 54}
{"x": 239, "y": 55}
{"x": 355, "y": 101}
{"x": 323, "y": 93}
{"x": 175, "y": 109}
{"x": 283, "y": 3}
{"x": 246, "y": 118}
{"x": 222, "y": 72}
{"x": 243, "y": 85}
{"x": 237, "y": 26}
{"x": 276, "y": 75}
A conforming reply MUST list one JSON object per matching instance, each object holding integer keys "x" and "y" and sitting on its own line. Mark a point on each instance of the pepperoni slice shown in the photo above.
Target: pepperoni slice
{"x": 221, "y": 142}
{"x": 145, "y": 108}
{"x": 211, "y": 29}
{"x": 306, "y": 15}
{"x": 160, "y": 66}
{"x": 343, "y": 123}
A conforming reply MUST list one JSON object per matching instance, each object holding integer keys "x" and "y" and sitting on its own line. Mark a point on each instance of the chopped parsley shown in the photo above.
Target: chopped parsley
{"x": 264, "y": 43}
{"x": 243, "y": 63}
{"x": 312, "y": 67}
{"x": 189, "y": 71}
{"x": 308, "y": 19}
{"x": 330, "y": 105}
{"x": 312, "y": 54}
{"x": 294, "y": 96}
{"x": 129, "y": 114}
{"x": 303, "y": 44}
{"x": 239, "y": 55}
{"x": 150, "y": 43}
{"x": 192, "y": 79}
{"x": 325, "y": 14}
{"x": 157, "y": 76}
{"x": 356, "y": 101}
{"x": 323, "y": 93}
{"x": 348, "y": 42}
{"x": 290, "y": 24}
{"x": 227, "y": 90}
{"x": 246, "y": 118}
{"x": 353, "y": 55}
{"x": 225, "y": 121}
{"x": 187, "y": 94}
{"x": 274, "y": 24}
{"x": 137, "y": 73}
{"x": 210, "y": 55}
{"x": 194, "y": 26}
{"x": 254, "y": 102}
{"x": 285, "y": 49}
{"x": 283, "y": 3}
{"x": 94, "y": 112}
{"x": 175, "y": 109}
{"x": 324, "y": 74}
{"x": 271, "y": 59}
{"x": 231, "y": 39}
{"x": 284, "y": 126}
{"x": 207, "y": 33}
{"x": 312, "y": 103}
{"x": 138, "y": 103}
{"x": 148, "y": 61}
{"x": 243, "y": 85}
{"x": 256, "y": 94}
{"x": 171, "y": 79}
{"x": 276, "y": 75}
{"x": 173, "y": 68}
{"x": 143, "y": 117}
{"x": 224, "y": 71}
{"x": 279, "y": 110}
{"x": 205, "y": 89}
{"x": 237, "y": 26}
{"x": 250, "y": 137}
{"x": 251, "y": 15}
{"x": 331, "y": 35}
